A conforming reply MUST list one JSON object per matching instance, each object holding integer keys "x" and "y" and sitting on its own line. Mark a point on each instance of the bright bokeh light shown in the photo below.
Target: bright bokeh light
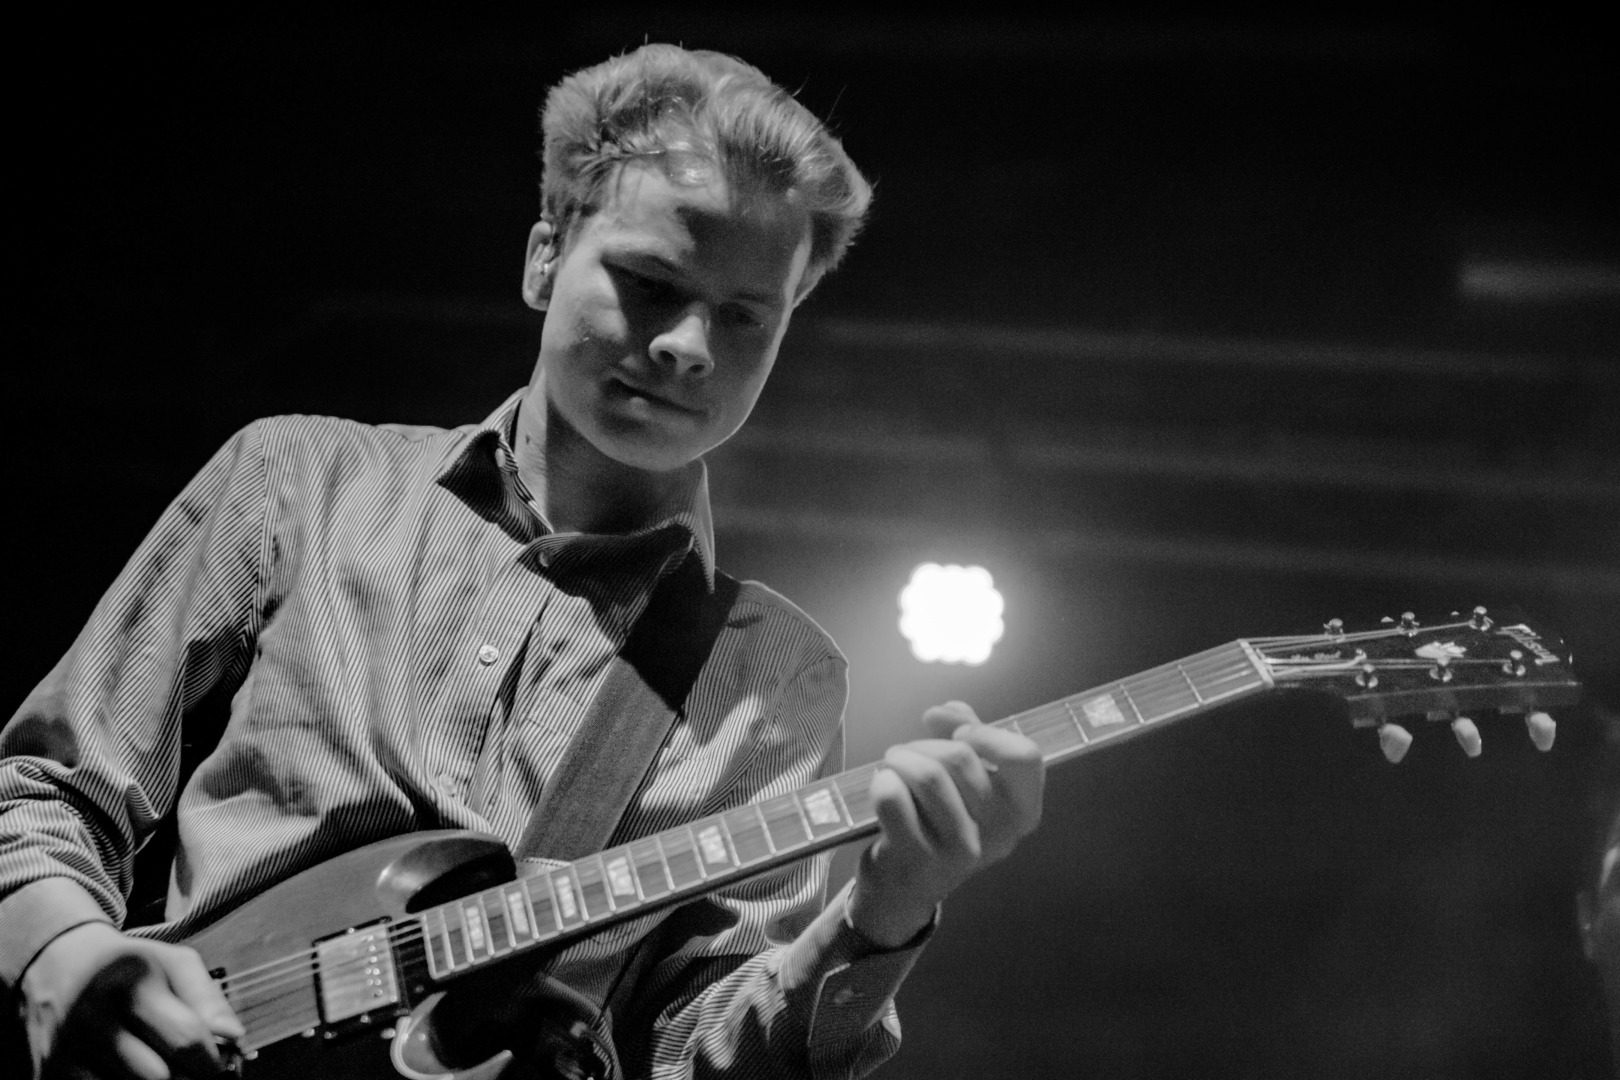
{"x": 951, "y": 614}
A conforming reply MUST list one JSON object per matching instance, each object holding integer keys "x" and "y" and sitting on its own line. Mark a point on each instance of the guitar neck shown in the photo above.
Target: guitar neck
{"x": 553, "y": 907}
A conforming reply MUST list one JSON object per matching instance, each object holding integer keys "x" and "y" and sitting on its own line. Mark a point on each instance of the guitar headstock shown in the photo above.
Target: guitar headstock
{"x": 1438, "y": 672}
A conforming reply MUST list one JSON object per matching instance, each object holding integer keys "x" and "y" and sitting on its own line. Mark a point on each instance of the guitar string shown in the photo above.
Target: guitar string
{"x": 297, "y": 966}
{"x": 1166, "y": 683}
{"x": 1146, "y": 689}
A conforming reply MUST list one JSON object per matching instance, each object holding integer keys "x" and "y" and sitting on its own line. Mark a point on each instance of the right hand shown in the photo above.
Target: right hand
{"x": 120, "y": 1008}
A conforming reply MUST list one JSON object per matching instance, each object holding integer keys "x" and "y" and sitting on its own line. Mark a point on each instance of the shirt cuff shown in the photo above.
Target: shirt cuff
{"x": 850, "y": 980}
{"x": 36, "y": 915}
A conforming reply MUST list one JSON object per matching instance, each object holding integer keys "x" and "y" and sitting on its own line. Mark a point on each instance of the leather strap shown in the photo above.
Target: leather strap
{"x": 642, "y": 698}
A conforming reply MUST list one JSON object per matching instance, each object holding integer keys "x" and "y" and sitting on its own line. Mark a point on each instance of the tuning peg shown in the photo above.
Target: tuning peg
{"x": 1334, "y": 628}
{"x": 1394, "y": 741}
{"x": 1409, "y": 622}
{"x": 1367, "y": 676}
{"x": 1514, "y": 664}
{"x": 1467, "y": 733}
{"x": 1543, "y": 730}
{"x": 1480, "y": 620}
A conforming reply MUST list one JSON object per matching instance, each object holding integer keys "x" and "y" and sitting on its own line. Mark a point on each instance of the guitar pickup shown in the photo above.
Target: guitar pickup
{"x": 355, "y": 972}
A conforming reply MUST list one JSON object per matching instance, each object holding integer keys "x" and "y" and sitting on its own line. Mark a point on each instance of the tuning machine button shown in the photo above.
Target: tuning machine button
{"x": 1542, "y": 730}
{"x": 1394, "y": 741}
{"x": 1467, "y": 733}
{"x": 1409, "y": 623}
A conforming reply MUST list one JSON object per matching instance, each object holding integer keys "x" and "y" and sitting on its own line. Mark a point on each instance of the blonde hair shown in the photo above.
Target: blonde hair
{"x": 694, "y": 111}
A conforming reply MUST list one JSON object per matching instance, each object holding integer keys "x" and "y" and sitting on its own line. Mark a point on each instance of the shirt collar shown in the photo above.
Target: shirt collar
{"x": 483, "y": 474}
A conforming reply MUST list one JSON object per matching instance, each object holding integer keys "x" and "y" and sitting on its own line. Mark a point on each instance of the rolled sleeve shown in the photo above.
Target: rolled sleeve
{"x": 89, "y": 762}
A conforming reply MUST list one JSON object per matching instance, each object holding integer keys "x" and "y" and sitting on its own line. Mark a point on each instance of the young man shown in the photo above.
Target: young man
{"x": 409, "y": 626}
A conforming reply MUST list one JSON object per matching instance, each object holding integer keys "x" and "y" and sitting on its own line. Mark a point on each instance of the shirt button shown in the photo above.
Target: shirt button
{"x": 845, "y": 996}
{"x": 488, "y": 654}
{"x": 449, "y": 786}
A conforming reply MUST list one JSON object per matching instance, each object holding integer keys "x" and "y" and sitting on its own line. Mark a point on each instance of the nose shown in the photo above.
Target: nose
{"x": 684, "y": 343}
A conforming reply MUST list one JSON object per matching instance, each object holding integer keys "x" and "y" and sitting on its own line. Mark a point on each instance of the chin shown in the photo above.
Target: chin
{"x": 648, "y": 455}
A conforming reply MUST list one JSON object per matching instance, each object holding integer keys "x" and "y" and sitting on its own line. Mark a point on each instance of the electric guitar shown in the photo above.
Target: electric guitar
{"x": 352, "y": 968}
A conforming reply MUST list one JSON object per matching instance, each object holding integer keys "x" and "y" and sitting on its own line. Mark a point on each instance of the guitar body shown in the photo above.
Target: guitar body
{"x": 297, "y": 1028}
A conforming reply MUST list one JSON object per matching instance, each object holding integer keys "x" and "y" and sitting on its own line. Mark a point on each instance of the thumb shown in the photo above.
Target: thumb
{"x": 192, "y": 984}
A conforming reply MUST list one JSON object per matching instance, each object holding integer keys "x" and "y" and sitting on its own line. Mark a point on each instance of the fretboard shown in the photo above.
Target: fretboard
{"x": 555, "y": 906}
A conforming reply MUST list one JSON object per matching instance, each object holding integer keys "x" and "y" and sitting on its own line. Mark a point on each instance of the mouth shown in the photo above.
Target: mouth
{"x": 631, "y": 392}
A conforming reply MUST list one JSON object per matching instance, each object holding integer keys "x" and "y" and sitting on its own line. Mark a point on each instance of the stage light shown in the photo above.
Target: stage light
{"x": 951, "y": 614}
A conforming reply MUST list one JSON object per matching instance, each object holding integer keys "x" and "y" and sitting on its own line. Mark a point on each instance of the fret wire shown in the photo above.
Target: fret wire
{"x": 764, "y": 827}
{"x": 1073, "y": 719}
{"x": 1130, "y": 699}
{"x": 556, "y": 909}
{"x": 804, "y": 818}
{"x": 623, "y": 856}
{"x": 662, "y": 867}
{"x": 1168, "y": 682}
{"x": 1190, "y": 684}
{"x": 731, "y": 845}
{"x": 692, "y": 850}
{"x": 837, "y": 788}
{"x": 787, "y": 817}
{"x": 497, "y": 920}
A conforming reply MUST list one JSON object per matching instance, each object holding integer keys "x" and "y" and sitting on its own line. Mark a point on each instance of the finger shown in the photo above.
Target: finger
{"x": 941, "y": 806}
{"x": 137, "y": 1059}
{"x": 896, "y": 813}
{"x": 942, "y": 721}
{"x": 1013, "y": 761}
{"x": 174, "y": 1029}
{"x": 192, "y": 984}
{"x": 999, "y": 746}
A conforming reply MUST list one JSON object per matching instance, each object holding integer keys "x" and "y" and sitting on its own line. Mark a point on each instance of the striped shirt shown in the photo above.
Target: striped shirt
{"x": 392, "y": 639}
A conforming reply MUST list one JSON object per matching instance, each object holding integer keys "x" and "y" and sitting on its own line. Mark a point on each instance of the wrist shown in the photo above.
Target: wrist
{"x": 885, "y": 920}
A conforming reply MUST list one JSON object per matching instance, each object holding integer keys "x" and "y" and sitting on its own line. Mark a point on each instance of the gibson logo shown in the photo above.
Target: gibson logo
{"x": 1300, "y": 658}
{"x": 1443, "y": 651}
{"x": 1530, "y": 640}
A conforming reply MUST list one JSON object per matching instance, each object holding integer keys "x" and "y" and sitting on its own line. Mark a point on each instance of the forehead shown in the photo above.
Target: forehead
{"x": 697, "y": 213}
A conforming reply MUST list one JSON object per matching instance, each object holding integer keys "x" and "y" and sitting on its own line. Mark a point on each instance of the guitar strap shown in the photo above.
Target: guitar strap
{"x": 641, "y": 700}
{"x": 644, "y": 694}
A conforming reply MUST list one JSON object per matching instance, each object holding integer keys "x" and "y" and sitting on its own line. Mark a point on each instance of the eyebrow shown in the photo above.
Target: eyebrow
{"x": 757, "y": 296}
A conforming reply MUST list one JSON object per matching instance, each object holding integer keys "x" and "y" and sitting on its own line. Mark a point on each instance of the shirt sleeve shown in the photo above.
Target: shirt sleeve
{"x": 89, "y": 762}
{"x": 762, "y": 980}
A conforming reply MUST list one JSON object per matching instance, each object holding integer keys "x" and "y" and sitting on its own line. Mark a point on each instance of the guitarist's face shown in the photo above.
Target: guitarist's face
{"x": 665, "y": 310}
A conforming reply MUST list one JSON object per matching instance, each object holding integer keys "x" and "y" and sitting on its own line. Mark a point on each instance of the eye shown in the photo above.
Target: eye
{"x": 644, "y": 286}
{"x": 740, "y": 316}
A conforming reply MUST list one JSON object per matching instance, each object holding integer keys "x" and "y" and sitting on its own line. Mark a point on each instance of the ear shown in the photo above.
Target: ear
{"x": 539, "y": 265}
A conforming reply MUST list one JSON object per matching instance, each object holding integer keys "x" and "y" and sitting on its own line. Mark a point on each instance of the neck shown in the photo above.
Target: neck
{"x": 580, "y": 489}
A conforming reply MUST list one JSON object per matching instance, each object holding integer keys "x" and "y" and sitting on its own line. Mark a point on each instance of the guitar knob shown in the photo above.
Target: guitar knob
{"x": 1467, "y": 733}
{"x": 1394, "y": 741}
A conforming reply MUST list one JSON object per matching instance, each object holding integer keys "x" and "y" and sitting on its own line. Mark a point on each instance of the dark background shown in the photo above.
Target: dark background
{"x": 1188, "y": 328}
